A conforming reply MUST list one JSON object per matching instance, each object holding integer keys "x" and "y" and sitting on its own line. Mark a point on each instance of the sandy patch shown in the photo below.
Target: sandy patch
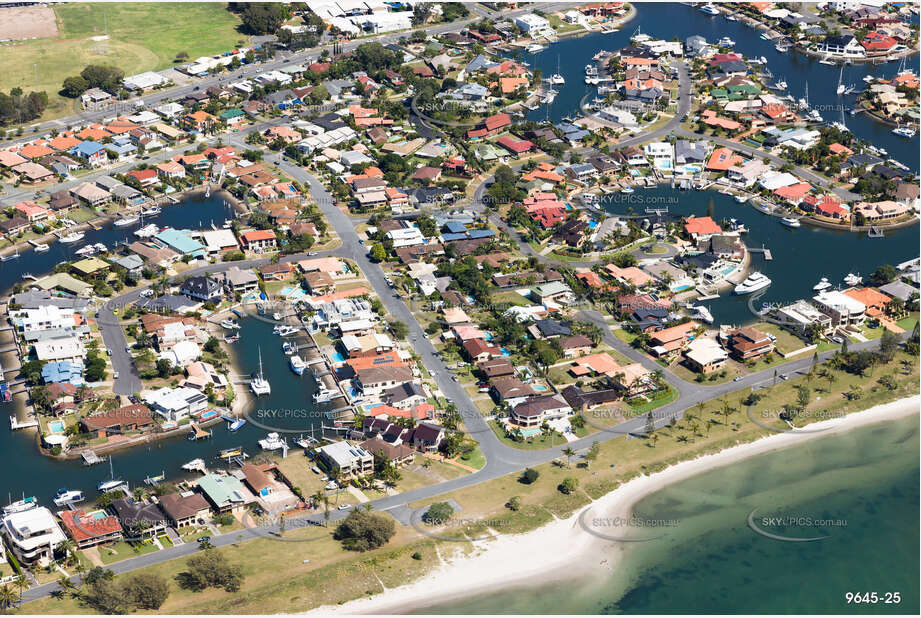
{"x": 20, "y": 23}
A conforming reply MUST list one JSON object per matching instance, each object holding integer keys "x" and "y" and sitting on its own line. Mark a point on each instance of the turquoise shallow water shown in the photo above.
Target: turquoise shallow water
{"x": 862, "y": 484}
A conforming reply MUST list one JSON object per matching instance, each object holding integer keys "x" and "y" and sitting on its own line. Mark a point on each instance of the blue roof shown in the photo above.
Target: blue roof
{"x": 455, "y": 227}
{"x": 179, "y": 241}
{"x": 480, "y": 233}
{"x": 63, "y": 371}
{"x": 88, "y": 148}
{"x": 453, "y": 237}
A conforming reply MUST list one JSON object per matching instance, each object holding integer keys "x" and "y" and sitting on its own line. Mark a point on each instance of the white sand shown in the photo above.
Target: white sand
{"x": 528, "y": 558}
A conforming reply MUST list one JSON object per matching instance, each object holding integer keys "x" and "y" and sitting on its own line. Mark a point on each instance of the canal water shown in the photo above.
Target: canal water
{"x": 669, "y": 20}
{"x": 289, "y": 409}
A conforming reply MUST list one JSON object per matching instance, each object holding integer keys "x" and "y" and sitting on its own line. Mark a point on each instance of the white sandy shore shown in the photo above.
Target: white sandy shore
{"x": 534, "y": 556}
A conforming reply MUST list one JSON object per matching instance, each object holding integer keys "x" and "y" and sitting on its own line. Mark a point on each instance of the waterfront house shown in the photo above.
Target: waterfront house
{"x": 175, "y": 404}
{"x": 749, "y": 343}
{"x": 90, "y": 529}
{"x": 404, "y": 396}
{"x": 348, "y": 459}
{"x": 32, "y": 536}
{"x": 202, "y": 288}
{"x": 258, "y": 241}
{"x": 800, "y": 317}
{"x": 126, "y": 418}
{"x": 532, "y": 412}
{"x": 398, "y": 455}
{"x": 240, "y": 281}
{"x": 186, "y": 509}
{"x": 668, "y": 340}
{"x": 374, "y": 380}
{"x": 61, "y": 349}
{"x": 139, "y": 517}
{"x": 91, "y": 194}
{"x": 225, "y": 493}
{"x": 842, "y": 45}
{"x": 841, "y": 308}
{"x": 699, "y": 228}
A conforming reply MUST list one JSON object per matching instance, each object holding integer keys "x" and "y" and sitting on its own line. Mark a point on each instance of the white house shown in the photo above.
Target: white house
{"x": 175, "y": 404}
{"x": 32, "y": 535}
{"x": 406, "y": 237}
{"x": 534, "y": 25}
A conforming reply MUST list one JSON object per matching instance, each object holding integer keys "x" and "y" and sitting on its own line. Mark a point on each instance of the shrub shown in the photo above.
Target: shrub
{"x": 361, "y": 531}
{"x": 568, "y": 485}
{"x": 529, "y": 476}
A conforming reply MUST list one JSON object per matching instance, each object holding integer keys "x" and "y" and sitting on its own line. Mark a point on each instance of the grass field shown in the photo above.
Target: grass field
{"x": 143, "y": 37}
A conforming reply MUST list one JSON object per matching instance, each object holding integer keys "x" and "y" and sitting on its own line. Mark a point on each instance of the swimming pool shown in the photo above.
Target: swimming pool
{"x": 338, "y": 358}
{"x": 505, "y": 351}
{"x": 208, "y": 414}
{"x": 540, "y": 388}
{"x": 56, "y": 427}
{"x": 530, "y": 432}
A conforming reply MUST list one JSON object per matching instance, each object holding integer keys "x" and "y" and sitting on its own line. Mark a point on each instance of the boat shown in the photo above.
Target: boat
{"x": 155, "y": 479}
{"x": 781, "y": 85}
{"x": 237, "y": 424}
{"x": 782, "y": 48}
{"x": 731, "y": 18}
{"x": 20, "y": 506}
{"x": 259, "y": 385}
{"x": 741, "y": 199}
{"x": 284, "y": 330}
{"x": 875, "y": 232}
{"x": 852, "y": 279}
{"x": 297, "y": 364}
{"x": 325, "y": 394}
{"x": 147, "y": 231}
{"x": 273, "y": 442}
{"x": 591, "y": 70}
{"x": 827, "y": 60}
{"x": 556, "y": 79}
{"x": 126, "y": 221}
{"x": 64, "y": 497}
{"x": 72, "y": 238}
{"x": 230, "y": 324}
{"x": 699, "y": 312}
{"x": 105, "y": 486}
{"x": 10, "y": 256}
{"x": 550, "y": 96}
{"x": 726, "y": 42}
{"x": 754, "y": 282}
{"x": 815, "y": 116}
{"x": 904, "y": 132}
{"x": 42, "y": 248}
{"x": 85, "y": 251}
{"x": 791, "y": 222}
{"x": 534, "y": 48}
{"x": 231, "y": 338}
{"x": 627, "y": 190}
{"x": 288, "y": 349}
{"x": 709, "y": 9}
{"x": 823, "y": 284}
{"x": 194, "y": 465}
{"x": 152, "y": 211}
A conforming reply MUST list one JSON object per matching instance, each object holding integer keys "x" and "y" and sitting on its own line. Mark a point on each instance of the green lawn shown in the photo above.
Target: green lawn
{"x": 143, "y": 37}
{"x": 537, "y": 443}
{"x": 474, "y": 459}
{"x": 123, "y": 550}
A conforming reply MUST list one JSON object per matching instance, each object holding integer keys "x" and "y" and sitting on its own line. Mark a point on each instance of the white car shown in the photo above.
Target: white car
{"x": 344, "y": 507}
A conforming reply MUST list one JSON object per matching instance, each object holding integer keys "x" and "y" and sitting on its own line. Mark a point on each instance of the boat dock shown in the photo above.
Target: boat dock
{"x": 91, "y": 458}
{"x": 197, "y": 433}
{"x": 766, "y": 252}
{"x": 17, "y": 424}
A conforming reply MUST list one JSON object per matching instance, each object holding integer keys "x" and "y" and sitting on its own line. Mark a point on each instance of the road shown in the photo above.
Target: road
{"x": 684, "y": 106}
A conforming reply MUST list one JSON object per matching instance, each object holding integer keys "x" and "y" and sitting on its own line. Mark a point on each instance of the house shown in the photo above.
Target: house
{"x": 126, "y": 418}
{"x": 575, "y": 345}
{"x": 555, "y": 291}
{"x": 800, "y": 317}
{"x": 175, "y": 404}
{"x": 90, "y": 529}
{"x": 348, "y": 459}
{"x": 33, "y": 173}
{"x": 427, "y": 437}
{"x": 204, "y": 289}
{"x": 699, "y": 228}
{"x": 398, "y": 455}
{"x": 705, "y": 355}
{"x": 533, "y": 411}
{"x": 170, "y": 170}
{"x": 240, "y": 281}
{"x": 32, "y": 536}
{"x": 186, "y": 509}
{"x": 510, "y": 390}
{"x": 668, "y": 340}
{"x": 139, "y": 518}
{"x": 258, "y": 241}
{"x": 534, "y": 25}
{"x": 749, "y": 344}
{"x": 91, "y": 194}
{"x": 478, "y": 350}
{"x": 225, "y": 493}
{"x": 845, "y": 46}
{"x": 843, "y": 310}
{"x": 374, "y": 380}
{"x": 496, "y": 368}
{"x": 876, "y": 302}
{"x": 404, "y": 396}
{"x": 93, "y": 154}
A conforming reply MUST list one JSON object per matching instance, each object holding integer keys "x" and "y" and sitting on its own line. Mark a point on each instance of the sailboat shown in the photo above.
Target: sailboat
{"x": 557, "y": 78}
{"x": 841, "y": 86}
{"x": 10, "y": 256}
{"x": 112, "y": 483}
{"x": 259, "y": 385}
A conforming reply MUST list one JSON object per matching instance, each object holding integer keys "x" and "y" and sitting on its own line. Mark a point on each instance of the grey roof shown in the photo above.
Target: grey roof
{"x": 168, "y": 302}
{"x": 202, "y": 286}
{"x": 129, "y": 262}
{"x": 33, "y": 299}
{"x": 402, "y": 392}
{"x": 553, "y": 328}
{"x": 478, "y": 63}
{"x": 686, "y": 150}
{"x": 899, "y": 289}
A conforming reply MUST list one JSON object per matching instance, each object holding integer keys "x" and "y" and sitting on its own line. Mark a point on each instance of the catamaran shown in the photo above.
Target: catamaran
{"x": 259, "y": 385}
{"x": 754, "y": 282}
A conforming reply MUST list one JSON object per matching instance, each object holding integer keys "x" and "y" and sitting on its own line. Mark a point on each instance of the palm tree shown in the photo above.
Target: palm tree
{"x": 8, "y": 597}
{"x": 326, "y": 510}
{"x": 66, "y": 547}
{"x": 570, "y": 453}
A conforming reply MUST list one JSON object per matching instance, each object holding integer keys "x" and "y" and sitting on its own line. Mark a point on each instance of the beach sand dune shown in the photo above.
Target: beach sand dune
{"x": 536, "y": 556}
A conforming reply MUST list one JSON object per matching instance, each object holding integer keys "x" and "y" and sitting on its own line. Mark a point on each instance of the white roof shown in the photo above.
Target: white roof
{"x": 775, "y": 180}
{"x": 344, "y": 454}
{"x": 145, "y": 80}
{"x": 171, "y": 398}
{"x": 37, "y": 524}
{"x": 839, "y": 301}
{"x": 705, "y": 351}
{"x": 217, "y": 240}
{"x": 59, "y": 349}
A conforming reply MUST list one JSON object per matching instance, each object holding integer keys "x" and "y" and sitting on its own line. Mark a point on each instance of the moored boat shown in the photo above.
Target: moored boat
{"x": 823, "y": 284}
{"x": 72, "y": 238}
{"x": 63, "y": 497}
{"x": 20, "y": 505}
{"x": 297, "y": 364}
{"x": 791, "y": 222}
{"x": 754, "y": 282}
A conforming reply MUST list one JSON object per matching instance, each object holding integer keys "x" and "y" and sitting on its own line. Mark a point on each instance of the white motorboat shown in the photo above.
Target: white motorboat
{"x": 297, "y": 364}
{"x": 741, "y": 199}
{"x": 101, "y": 248}
{"x": 823, "y": 284}
{"x": 230, "y": 324}
{"x": 851, "y": 279}
{"x": 152, "y": 211}
{"x": 534, "y": 48}
{"x": 627, "y": 190}
{"x": 815, "y": 116}
{"x": 20, "y": 506}
{"x": 325, "y": 394}
{"x": 283, "y": 330}
{"x": 754, "y": 282}
{"x": 42, "y": 248}
{"x": 791, "y": 222}
{"x": 780, "y": 47}
{"x": 147, "y": 231}
{"x": 549, "y": 97}
{"x": 731, "y": 18}
{"x": 259, "y": 385}
{"x": 709, "y": 9}
{"x": 72, "y": 238}
{"x": 699, "y": 312}
{"x": 591, "y": 70}
{"x": 726, "y": 42}
{"x": 273, "y": 442}
{"x": 63, "y": 497}
{"x": 196, "y": 465}
{"x": 781, "y": 85}
{"x": 126, "y": 221}
{"x": 85, "y": 251}
{"x": 288, "y": 349}
{"x": 105, "y": 486}
{"x": 904, "y": 132}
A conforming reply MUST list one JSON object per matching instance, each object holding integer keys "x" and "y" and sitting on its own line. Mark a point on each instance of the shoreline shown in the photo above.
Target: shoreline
{"x": 533, "y": 558}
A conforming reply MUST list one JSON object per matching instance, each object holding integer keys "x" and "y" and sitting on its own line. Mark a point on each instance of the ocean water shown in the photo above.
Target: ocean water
{"x": 860, "y": 490}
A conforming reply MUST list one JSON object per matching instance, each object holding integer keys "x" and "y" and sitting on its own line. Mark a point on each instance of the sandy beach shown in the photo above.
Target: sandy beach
{"x": 528, "y": 559}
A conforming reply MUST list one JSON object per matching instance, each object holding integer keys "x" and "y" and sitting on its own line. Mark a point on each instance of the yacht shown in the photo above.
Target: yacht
{"x": 726, "y": 42}
{"x": 273, "y": 442}
{"x": 20, "y": 505}
{"x": 627, "y": 190}
{"x": 297, "y": 364}
{"x": 904, "y": 132}
{"x": 72, "y": 238}
{"x": 754, "y": 282}
{"x": 101, "y": 248}
{"x": 235, "y": 426}
{"x": 782, "y": 48}
{"x": 288, "y": 349}
{"x": 556, "y": 79}
{"x": 731, "y": 18}
{"x": 85, "y": 251}
{"x": 284, "y": 330}
{"x": 741, "y": 199}
{"x": 823, "y": 284}
{"x": 126, "y": 221}
{"x": 230, "y": 324}
{"x": 195, "y": 464}
{"x": 105, "y": 486}
{"x": 827, "y": 60}
{"x": 231, "y": 338}
{"x": 815, "y": 116}
{"x": 791, "y": 222}
{"x": 699, "y": 312}
{"x": 550, "y": 96}
{"x": 851, "y": 279}
{"x": 709, "y": 9}
{"x": 64, "y": 497}
{"x": 325, "y": 394}
{"x": 42, "y": 248}
{"x": 152, "y": 211}
{"x": 259, "y": 385}
{"x": 147, "y": 231}
{"x": 591, "y": 70}
{"x": 781, "y": 85}
{"x": 534, "y": 48}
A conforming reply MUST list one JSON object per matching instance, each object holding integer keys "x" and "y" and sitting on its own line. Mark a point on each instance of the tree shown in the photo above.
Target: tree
{"x": 74, "y": 86}
{"x": 650, "y": 424}
{"x": 398, "y": 329}
{"x": 514, "y": 503}
{"x": 438, "y": 513}
{"x": 592, "y": 453}
{"x": 164, "y": 367}
{"x": 106, "y": 77}
{"x": 569, "y": 485}
{"x": 362, "y": 531}
{"x": 569, "y": 453}
{"x": 529, "y": 476}
{"x": 146, "y": 591}
{"x": 888, "y": 344}
{"x": 378, "y": 252}
{"x": 884, "y": 274}
{"x": 8, "y": 597}
{"x": 210, "y": 569}
{"x": 263, "y": 17}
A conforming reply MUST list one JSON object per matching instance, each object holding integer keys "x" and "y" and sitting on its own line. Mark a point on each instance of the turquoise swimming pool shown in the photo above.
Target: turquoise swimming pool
{"x": 56, "y": 427}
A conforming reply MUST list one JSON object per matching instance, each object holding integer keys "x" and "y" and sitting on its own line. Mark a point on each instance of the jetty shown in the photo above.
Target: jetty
{"x": 197, "y": 433}
{"x": 91, "y": 458}
{"x": 764, "y": 251}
